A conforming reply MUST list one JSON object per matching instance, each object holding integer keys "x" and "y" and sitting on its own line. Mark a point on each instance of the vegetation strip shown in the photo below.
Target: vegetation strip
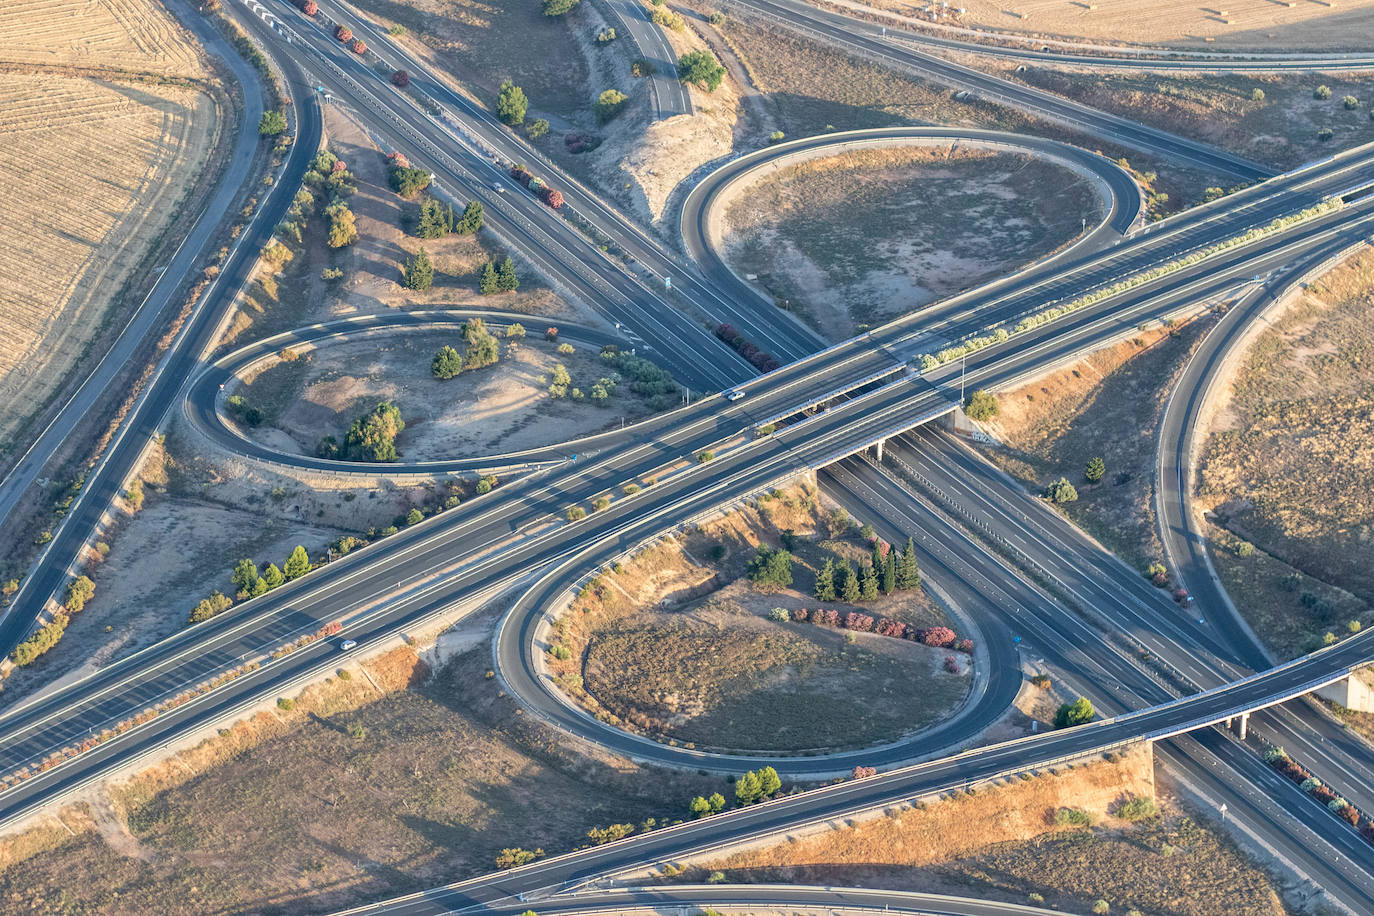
{"x": 1030, "y": 322}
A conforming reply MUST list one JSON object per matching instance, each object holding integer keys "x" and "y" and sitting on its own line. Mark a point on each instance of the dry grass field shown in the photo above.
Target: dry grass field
{"x": 1289, "y": 465}
{"x": 1279, "y": 25}
{"x": 863, "y": 237}
{"x": 676, "y": 644}
{"x": 103, "y": 130}
{"x": 1282, "y": 129}
{"x": 1001, "y": 843}
{"x": 1107, "y": 406}
{"x": 363, "y": 790}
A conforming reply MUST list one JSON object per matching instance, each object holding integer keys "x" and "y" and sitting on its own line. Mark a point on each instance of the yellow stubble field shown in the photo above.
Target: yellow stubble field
{"x": 96, "y": 154}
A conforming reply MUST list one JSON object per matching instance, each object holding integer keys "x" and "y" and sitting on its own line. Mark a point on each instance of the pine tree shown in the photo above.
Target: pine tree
{"x": 298, "y": 564}
{"x": 769, "y": 782}
{"x": 890, "y": 572}
{"x": 489, "y": 283}
{"x": 272, "y": 576}
{"x": 825, "y": 582}
{"x": 908, "y": 572}
{"x": 506, "y": 281}
{"x": 1095, "y": 469}
{"x": 868, "y": 582}
{"x": 470, "y": 221}
{"x": 747, "y": 788}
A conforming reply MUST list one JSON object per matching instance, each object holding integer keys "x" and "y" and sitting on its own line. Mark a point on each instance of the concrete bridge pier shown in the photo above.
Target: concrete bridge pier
{"x": 879, "y": 447}
{"x": 1354, "y": 693}
{"x": 1243, "y": 726}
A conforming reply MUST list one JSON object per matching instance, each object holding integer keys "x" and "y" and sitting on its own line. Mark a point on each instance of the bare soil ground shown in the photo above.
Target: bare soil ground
{"x": 1289, "y": 465}
{"x": 265, "y": 818}
{"x": 501, "y": 408}
{"x": 94, "y": 170}
{"x": 1108, "y": 406}
{"x": 1313, "y": 25}
{"x": 295, "y": 294}
{"x": 1001, "y": 843}
{"x": 1280, "y": 129}
{"x": 676, "y": 644}
{"x": 860, "y": 238}
{"x": 811, "y": 88}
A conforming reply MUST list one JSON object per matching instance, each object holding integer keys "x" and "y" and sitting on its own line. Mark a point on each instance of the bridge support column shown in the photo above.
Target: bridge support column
{"x": 881, "y": 443}
{"x": 1244, "y": 725}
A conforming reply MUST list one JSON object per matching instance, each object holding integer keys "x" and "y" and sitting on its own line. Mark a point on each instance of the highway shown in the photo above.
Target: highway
{"x": 669, "y": 96}
{"x": 511, "y": 537}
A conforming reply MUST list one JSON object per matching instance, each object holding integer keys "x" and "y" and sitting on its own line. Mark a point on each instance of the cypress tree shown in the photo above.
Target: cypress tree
{"x": 850, "y": 590}
{"x": 868, "y": 582}
{"x": 489, "y": 283}
{"x": 506, "y": 281}
{"x": 890, "y": 572}
{"x": 908, "y": 572}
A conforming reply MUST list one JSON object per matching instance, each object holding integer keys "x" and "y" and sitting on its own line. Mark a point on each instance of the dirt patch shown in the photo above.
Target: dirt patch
{"x": 1288, "y": 466}
{"x": 1280, "y": 128}
{"x": 266, "y": 816}
{"x": 1108, "y": 406}
{"x": 1252, "y": 24}
{"x": 858, "y": 239}
{"x": 127, "y": 153}
{"x": 676, "y": 643}
{"x": 502, "y": 408}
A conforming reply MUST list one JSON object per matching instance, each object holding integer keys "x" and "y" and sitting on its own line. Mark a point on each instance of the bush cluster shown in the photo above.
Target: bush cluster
{"x": 761, "y": 360}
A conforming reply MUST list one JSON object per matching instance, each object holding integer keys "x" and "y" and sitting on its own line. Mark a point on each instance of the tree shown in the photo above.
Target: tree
{"x": 245, "y": 574}
{"x": 298, "y": 564}
{"x": 435, "y": 219}
{"x": 554, "y": 198}
{"x": 343, "y": 227}
{"x": 472, "y": 219}
{"x": 908, "y": 570}
{"x": 400, "y": 78}
{"x": 849, "y": 590}
{"x": 272, "y": 576}
{"x": 559, "y": 381}
{"x": 770, "y": 569}
{"x": 373, "y": 437}
{"x": 447, "y": 363}
{"x": 558, "y": 7}
{"x": 343, "y": 33}
{"x": 488, "y": 283}
{"x": 419, "y": 271}
{"x": 981, "y": 405}
{"x": 79, "y": 591}
{"x": 511, "y": 104}
{"x": 890, "y": 572}
{"x": 1061, "y": 491}
{"x": 1322, "y": 92}
{"x": 538, "y": 128}
{"x": 209, "y": 607}
{"x": 272, "y": 123}
{"x": 747, "y": 788}
{"x": 483, "y": 348}
{"x": 515, "y": 857}
{"x": 506, "y": 281}
{"x": 769, "y": 782}
{"x": 825, "y": 582}
{"x": 868, "y": 582}
{"x": 407, "y": 181}
{"x": 1095, "y": 469}
{"x": 609, "y": 104}
{"x": 1075, "y": 713}
{"x": 702, "y": 68}
{"x": 359, "y": 46}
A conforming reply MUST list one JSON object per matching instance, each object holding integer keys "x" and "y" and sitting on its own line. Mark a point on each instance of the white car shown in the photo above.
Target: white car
{"x": 348, "y": 644}
{"x": 499, "y": 188}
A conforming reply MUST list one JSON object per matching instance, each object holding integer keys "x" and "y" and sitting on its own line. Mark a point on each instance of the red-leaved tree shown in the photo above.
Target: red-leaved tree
{"x": 310, "y": 7}
{"x": 343, "y": 33}
{"x": 553, "y": 198}
{"x": 400, "y": 78}
{"x": 359, "y": 47}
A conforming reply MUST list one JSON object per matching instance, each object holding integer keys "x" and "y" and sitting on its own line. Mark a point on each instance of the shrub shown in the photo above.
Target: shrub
{"x": 1061, "y": 491}
{"x": 400, "y": 78}
{"x": 699, "y": 67}
{"x": 1325, "y": 134}
{"x": 1078, "y": 712}
{"x": 1042, "y": 681}
{"x": 1322, "y": 92}
{"x": 1101, "y": 906}
{"x": 558, "y": 7}
{"x": 79, "y": 591}
{"x": 605, "y": 36}
{"x": 776, "y": 136}
{"x": 771, "y": 570}
{"x": 609, "y": 104}
{"x": 937, "y": 637}
{"x": 1137, "y": 808}
{"x": 1257, "y": 95}
{"x": 310, "y": 7}
{"x": 717, "y": 18}
{"x": 286, "y": 704}
{"x": 414, "y": 517}
{"x": 1094, "y": 470}
{"x": 642, "y": 68}
{"x": 272, "y": 123}
{"x": 485, "y": 485}
{"x": 515, "y": 857}
{"x": 703, "y": 457}
{"x": 668, "y": 19}
{"x": 576, "y": 512}
{"x": 1072, "y": 817}
{"x": 538, "y": 128}
{"x": 209, "y": 607}
{"x": 343, "y": 226}
{"x": 600, "y": 504}
{"x": 446, "y": 364}
{"x": 981, "y": 405}
{"x": 1310, "y": 784}
{"x": 779, "y": 615}
{"x": 951, "y": 664}
{"x": 1350, "y": 103}
{"x": 562, "y": 653}
{"x": 862, "y": 772}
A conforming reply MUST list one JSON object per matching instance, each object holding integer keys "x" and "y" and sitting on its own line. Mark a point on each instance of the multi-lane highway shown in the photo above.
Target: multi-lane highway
{"x": 513, "y": 537}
